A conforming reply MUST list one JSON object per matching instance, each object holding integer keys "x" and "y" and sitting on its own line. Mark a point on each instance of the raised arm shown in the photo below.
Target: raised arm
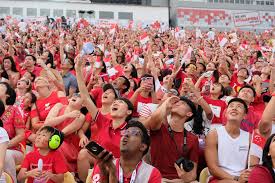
{"x": 155, "y": 120}
{"x": 82, "y": 88}
{"x": 265, "y": 125}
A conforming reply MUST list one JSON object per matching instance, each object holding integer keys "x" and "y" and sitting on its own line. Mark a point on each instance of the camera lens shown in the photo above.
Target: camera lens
{"x": 94, "y": 149}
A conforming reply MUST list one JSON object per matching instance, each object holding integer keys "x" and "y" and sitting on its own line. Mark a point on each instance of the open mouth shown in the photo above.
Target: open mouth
{"x": 73, "y": 99}
{"x": 114, "y": 108}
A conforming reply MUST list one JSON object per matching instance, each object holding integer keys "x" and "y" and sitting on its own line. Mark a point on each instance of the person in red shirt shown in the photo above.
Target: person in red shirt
{"x": 171, "y": 143}
{"x": 53, "y": 162}
{"x": 144, "y": 94}
{"x": 217, "y": 105}
{"x": 108, "y": 128}
{"x": 29, "y": 65}
{"x": 134, "y": 144}
{"x": 265, "y": 172}
{"x": 46, "y": 99}
{"x": 238, "y": 79}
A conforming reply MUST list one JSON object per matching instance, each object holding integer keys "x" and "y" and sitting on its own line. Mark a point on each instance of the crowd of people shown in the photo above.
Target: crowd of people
{"x": 162, "y": 105}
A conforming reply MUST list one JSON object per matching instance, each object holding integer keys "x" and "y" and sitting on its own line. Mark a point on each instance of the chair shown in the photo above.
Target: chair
{"x": 69, "y": 178}
{"x": 8, "y": 177}
{"x": 89, "y": 178}
{"x": 204, "y": 175}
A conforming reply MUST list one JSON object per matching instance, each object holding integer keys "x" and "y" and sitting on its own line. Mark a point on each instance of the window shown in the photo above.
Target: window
{"x": 57, "y": 13}
{"x": 45, "y": 12}
{"x": 232, "y": 1}
{"x": 237, "y": 1}
{"x": 4, "y": 10}
{"x": 271, "y": 3}
{"x": 31, "y": 12}
{"x": 106, "y": 15}
{"x": 216, "y": 1}
{"x": 262, "y": 2}
{"x": 17, "y": 11}
{"x": 242, "y": 1}
{"x": 70, "y": 13}
{"x": 125, "y": 15}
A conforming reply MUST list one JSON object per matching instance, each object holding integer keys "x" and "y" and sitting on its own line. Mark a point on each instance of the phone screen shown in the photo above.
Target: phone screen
{"x": 94, "y": 148}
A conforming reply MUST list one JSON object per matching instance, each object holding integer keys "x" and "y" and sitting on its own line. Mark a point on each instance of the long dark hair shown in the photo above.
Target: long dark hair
{"x": 13, "y": 66}
{"x": 267, "y": 160}
{"x": 198, "y": 120}
{"x": 2, "y": 110}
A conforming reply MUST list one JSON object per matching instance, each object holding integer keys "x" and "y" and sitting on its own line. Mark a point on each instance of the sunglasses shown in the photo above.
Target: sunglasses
{"x": 130, "y": 133}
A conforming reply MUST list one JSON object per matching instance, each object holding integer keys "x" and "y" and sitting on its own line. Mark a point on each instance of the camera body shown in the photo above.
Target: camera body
{"x": 187, "y": 164}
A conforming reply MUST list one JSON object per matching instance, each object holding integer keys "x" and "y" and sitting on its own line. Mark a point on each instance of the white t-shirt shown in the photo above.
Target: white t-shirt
{"x": 3, "y": 135}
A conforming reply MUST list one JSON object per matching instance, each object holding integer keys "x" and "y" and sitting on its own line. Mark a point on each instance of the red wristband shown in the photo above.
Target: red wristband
{"x": 273, "y": 94}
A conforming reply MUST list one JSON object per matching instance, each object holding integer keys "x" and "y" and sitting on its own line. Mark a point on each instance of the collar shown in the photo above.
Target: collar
{"x": 121, "y": 127}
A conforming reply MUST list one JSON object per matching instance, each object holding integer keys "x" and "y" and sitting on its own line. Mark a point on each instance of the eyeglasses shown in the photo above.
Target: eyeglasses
{"x": 146, "y": 78}
{"x": 130, "y": 133}
{"x": 76, "y": 95}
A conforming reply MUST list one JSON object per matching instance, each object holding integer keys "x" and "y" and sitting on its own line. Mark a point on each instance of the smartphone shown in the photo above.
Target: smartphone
{"x": 94, "y": 148}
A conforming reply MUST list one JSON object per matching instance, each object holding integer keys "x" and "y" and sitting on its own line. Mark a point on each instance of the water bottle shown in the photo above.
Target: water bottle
{"x": 40, "y": 168}
{"x": 88, "y": 48}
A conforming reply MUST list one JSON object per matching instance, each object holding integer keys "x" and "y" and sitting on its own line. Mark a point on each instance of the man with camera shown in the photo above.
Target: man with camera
{"x": 129, "y": 167}
{"x": 174, "y": 150}
{"x": 227, "y": 147}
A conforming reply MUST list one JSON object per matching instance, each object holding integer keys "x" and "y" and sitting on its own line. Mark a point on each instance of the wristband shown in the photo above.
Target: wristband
{"x": 236, "y": 178}
{"x": 273, "y": 94}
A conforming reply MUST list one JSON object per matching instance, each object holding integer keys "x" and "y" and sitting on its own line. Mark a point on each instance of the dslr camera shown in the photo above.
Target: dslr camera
{"x": 187, "y": 164}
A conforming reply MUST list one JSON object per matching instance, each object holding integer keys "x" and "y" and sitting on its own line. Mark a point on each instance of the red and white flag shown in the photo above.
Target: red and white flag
{"x": 144, "y": 38}
{"x": 257, "y": 144}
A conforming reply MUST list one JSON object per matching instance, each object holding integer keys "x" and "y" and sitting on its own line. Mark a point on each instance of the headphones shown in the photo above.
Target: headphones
{"x": 56, "y": 139}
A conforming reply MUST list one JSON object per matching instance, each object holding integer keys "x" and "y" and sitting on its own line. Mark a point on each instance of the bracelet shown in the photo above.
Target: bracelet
{"x": 236, "y": 178}
{"x": 273, "y": 94}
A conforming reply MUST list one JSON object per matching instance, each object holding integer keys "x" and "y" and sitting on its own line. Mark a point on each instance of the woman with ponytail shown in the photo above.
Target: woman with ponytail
{"x": 265, "y": 172}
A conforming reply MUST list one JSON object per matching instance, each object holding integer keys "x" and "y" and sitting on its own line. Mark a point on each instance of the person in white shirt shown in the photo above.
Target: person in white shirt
{"x": 227, "y": 147}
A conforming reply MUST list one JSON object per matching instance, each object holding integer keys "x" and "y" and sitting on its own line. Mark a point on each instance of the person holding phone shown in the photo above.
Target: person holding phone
{"x": 144, "y": 94}
{"x": 108, "y": 133}
{"x": 130, "y": 167}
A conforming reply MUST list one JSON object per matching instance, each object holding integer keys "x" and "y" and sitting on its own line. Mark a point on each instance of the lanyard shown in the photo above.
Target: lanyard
{"x": 133, "y": 176}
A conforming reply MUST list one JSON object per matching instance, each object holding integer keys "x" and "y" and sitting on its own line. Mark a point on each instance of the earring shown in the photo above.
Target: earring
{"x": 268, "y": 154}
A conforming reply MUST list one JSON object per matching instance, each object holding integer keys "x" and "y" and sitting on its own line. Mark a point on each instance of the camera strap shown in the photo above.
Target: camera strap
{"x": 184, "y": 147}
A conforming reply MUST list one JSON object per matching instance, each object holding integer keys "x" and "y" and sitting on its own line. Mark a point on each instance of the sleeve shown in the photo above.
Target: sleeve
{"x": 99, "y": 120}
{"x": 74, "y": 83}
{"x": 4, "y": 137}
{"x": 258, "y": 175}
{"x": 33, "y": 113}
{"x": 155, "y": 176}
{"x": 59, "y": 164}
{"x": 26, "y": 162}
{"x": 18, "y": 119}
{"x": 194, "y": 151}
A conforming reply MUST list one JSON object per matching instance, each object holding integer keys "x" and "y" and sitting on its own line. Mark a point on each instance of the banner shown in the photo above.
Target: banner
{"x": 246, "y": 19}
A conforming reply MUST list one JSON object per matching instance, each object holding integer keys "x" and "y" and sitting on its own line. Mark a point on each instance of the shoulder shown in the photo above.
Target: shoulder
{"x": 260, "y": 173}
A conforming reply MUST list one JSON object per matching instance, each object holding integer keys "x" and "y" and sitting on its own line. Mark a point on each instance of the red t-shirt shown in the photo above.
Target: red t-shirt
{"x": 164, "y": 151}
{"x": 155, "y": 176}
{"x": 218, "y": 107}
{"x": 107, "y": 136}
{"x": 45, "y": 105}
{"x": 36, "y": 71}
{"x": 12, "y": 119}
{"x": 53, "y": 162}
{"x": 260, "y": 174}
{"x": 140, "y": 99}
{"x": 97, "y": 95}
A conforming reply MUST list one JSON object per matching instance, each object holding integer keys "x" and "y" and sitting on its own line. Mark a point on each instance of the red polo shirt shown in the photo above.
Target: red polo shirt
{"x": 164, "y": 151}
{"x": 107, "y": 136}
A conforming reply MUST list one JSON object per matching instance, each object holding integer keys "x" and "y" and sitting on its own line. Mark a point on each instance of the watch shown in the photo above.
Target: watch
{"x": 236, "y": 178}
